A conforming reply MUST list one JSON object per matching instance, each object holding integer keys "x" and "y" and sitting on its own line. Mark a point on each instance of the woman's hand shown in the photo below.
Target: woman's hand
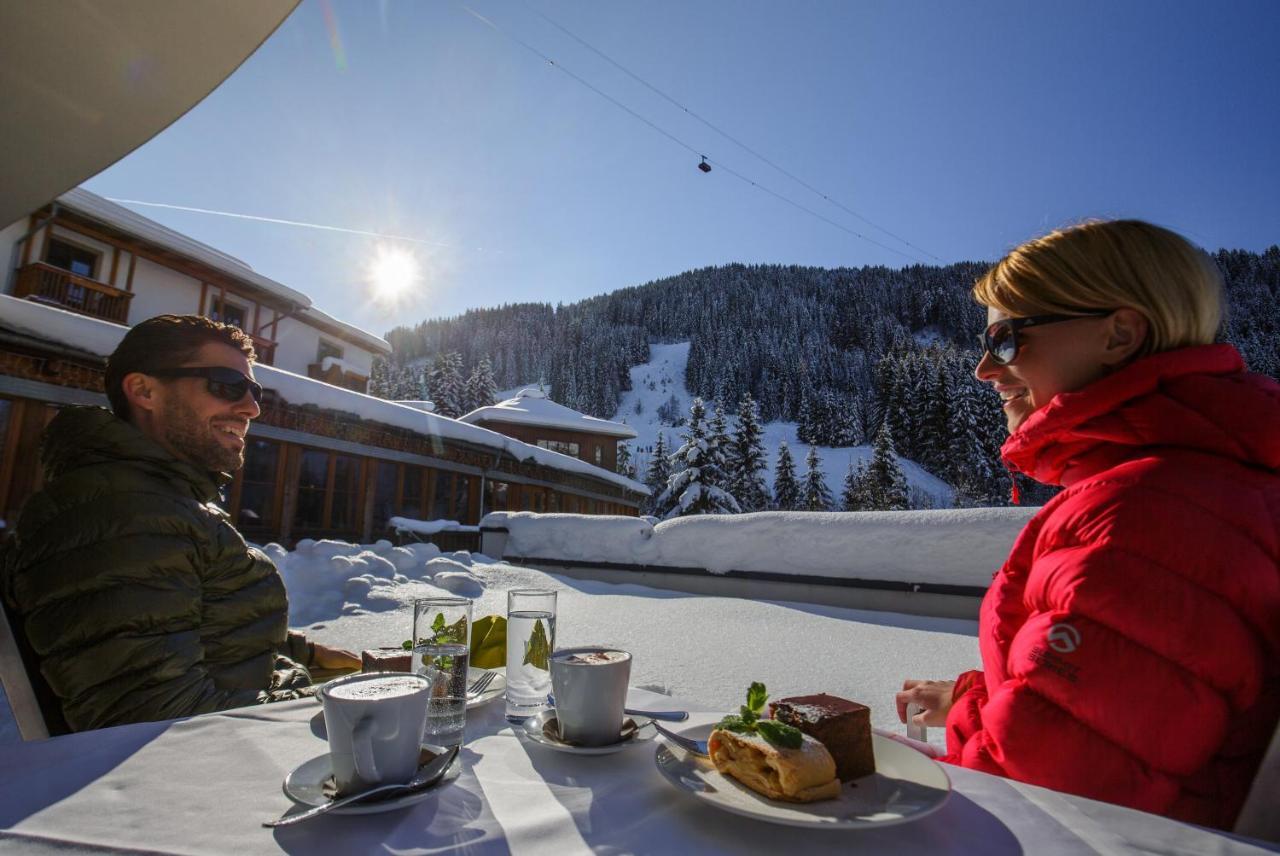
{"x": 933, "y": 696}
{"x": 334, "y": 659}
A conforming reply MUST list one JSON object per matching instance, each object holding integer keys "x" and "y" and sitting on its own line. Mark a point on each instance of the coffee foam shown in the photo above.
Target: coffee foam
{"x": 377, "y": 688}
{"x": 592, "y": 658}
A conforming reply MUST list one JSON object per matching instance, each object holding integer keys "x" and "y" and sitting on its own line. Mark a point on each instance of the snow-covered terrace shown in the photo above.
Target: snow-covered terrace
{"x": 99, "y": 338}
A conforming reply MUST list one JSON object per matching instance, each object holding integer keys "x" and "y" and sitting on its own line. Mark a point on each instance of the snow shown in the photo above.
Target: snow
{"x": 530, "y": 406}
{"x": 428, "y": 527}
{"x": 953, "y": 546}
{"x": 665, "y": 371}
{"x": 329, "y": 362}
{"x": 364, "y": 338}
{"x": 51, "y": 324}
{"x": 424, "y": 406}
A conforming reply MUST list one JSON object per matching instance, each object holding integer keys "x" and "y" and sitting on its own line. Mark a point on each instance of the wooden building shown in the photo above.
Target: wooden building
{"x": 533, "y": 418}
{"x": 323, "y": 459}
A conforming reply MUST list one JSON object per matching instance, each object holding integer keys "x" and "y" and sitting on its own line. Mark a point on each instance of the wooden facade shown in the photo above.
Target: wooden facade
{"x": 308, "y": 473}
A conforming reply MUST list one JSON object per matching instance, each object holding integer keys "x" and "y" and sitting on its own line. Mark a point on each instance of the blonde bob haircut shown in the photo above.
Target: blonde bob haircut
{"x": 1111, "y": 265}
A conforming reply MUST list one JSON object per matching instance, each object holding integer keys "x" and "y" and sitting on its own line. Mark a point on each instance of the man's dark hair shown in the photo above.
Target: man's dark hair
{"x": 163, "y": 342}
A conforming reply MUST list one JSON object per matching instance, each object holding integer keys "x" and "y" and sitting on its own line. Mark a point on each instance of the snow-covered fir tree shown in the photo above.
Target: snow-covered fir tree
{"x": 815, "y": 495}
{"x": 718, "y": 443}
{"x": 786, "y": 490}
{"x": 444, "y": 384}
{"x": 659, "y": 472}
{"x": 885, "y": 485}
{"x": 746, "y": 459}
{"x": 853, "y": 497}
{"x": 481, "y": 390}
{"x": 625, "y": 467}
{"x": 696, "y": 472}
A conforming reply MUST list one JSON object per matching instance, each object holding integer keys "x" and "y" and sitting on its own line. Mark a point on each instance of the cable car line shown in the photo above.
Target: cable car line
{"x": 704, "y": 159}
{"x": 719, "y": 131}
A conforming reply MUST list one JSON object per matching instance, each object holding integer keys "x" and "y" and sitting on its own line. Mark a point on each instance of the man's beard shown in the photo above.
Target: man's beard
{"x": 196, "y": 441}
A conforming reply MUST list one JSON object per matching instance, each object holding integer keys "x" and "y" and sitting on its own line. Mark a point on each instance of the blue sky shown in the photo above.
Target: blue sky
{"x": 964, "y": 128}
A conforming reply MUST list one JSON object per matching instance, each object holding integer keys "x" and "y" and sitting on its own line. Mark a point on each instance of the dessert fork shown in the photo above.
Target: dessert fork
{"x": 697, "y": 747}
{"x": 480, "y": 684}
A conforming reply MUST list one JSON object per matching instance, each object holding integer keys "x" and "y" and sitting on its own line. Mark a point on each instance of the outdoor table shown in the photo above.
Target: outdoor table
{"x": 205, "y": 784}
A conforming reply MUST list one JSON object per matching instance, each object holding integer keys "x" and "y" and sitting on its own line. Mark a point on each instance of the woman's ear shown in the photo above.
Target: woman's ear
{"x": 1126, "y": 334}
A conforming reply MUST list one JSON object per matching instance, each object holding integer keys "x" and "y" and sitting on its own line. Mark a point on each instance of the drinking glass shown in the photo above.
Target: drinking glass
{"x": 441, "y": 652}
{"x": 531, "y": 637}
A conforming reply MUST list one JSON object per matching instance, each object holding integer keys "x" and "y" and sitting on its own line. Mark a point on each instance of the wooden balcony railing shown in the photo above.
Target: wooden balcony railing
{"x": 265, "y": 349}
{"x": 58, "y": 287}
{"x": 337, "y": 377}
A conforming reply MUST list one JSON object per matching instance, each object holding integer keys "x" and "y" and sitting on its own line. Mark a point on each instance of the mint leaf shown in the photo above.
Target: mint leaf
{"x": 438, "y": 624}
{"x": 780, "y": 734}
{"x": 747, "y": 714}
{"x": 407, "y": 644}
{"x": 735, "y": 724}
{"x": 757, "y": 696}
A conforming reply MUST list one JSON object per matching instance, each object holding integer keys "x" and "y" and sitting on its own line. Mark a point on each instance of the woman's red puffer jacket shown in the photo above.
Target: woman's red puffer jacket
{"x": 1131, "y": 642}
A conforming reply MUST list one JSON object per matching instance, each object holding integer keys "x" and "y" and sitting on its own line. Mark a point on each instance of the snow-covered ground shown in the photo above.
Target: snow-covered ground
{"x": 705, "y": 649}
{"x": 654, "y": 382}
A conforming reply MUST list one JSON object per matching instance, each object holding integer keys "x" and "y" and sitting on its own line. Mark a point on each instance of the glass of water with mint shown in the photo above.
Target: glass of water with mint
{"x": 441, "y": 651}
{"x": 531, "y": 637}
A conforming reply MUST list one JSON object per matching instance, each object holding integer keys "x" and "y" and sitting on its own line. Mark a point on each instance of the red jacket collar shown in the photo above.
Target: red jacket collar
{"x": 1197, "y": 398}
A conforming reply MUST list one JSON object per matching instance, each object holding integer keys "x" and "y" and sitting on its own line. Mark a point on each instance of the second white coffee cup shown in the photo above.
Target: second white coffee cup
{"x": 374, "y": 723}
{"x": 590, "y": 686}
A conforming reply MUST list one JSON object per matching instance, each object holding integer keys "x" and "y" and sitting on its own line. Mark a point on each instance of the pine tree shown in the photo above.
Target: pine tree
{"x": 444, "y": 383}
{"x": 854, "y": 497}
{"x": 625, "y": 467}
{"x": 886, "y": 485}
{"x": 786, "y": 490}
{"x": 659, "y": 472}
{"x": 746, "y": 459}
{"x": 692, "y": 488}
{"x": 718, "y": 444}
{"x": 816, "y": 495}
{"x": 481, "y": 390}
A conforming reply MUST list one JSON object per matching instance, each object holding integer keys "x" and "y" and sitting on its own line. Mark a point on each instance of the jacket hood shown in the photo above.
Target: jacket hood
{"x": 91, "y": 436}
{"x": 1199, "y": 399}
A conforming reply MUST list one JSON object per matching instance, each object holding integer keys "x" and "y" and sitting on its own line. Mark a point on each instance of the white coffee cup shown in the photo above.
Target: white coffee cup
{"x": 590, "y": 686}
{"x": 374, "y": 723}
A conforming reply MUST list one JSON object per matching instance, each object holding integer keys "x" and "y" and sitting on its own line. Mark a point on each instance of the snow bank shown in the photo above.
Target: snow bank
{"x": 428, "y": 527}
{"x": 326, "y": 579}
{"x": 954, "y": 547}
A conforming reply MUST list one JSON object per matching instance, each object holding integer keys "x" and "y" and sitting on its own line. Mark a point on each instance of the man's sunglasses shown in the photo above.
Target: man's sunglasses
{"x": 222, "y": 382}
{"x": 1000, "y": 339}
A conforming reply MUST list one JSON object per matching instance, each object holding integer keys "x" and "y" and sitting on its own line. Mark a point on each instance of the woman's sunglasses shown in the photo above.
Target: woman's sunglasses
{"x": 1000, "y": 339}
{"x": 222, "y": 382}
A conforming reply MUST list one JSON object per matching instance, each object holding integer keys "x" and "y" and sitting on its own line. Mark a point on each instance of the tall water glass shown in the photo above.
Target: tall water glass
{"x": 441, "y": 651}
{"x": 531, "y": 637}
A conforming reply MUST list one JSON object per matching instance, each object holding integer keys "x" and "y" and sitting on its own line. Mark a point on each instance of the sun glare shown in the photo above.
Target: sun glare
{"x": 392, "y": 273}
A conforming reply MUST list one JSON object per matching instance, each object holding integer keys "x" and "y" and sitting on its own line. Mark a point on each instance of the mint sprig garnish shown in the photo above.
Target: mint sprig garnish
{"x": 748, "y": 721}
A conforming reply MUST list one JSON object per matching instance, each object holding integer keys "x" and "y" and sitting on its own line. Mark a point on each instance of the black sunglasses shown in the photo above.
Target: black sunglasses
{"x": 1000, "y": 339}
{"x": 222, "y": 382}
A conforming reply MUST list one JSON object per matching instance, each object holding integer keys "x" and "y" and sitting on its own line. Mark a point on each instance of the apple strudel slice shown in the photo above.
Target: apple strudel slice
{"x": 806, "y": 774}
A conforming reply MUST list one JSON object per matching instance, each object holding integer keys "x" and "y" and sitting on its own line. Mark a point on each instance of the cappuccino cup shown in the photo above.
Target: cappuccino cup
{"x": 590, "y": 686}
{"x": 374, "y": 723}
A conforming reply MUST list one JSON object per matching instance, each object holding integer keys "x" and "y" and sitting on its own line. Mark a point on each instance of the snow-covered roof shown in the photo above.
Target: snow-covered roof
{"x": 532, "y": 407}
{"x": 117, "y": 216}
{"x": 364, "y": 338}
{"x": 426, "y": 406}
{"x": 100, "y": 338}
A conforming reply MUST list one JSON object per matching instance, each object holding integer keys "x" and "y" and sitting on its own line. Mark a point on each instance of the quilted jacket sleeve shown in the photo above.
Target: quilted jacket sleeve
{"x": 110, "y": 598}
{"x": 1107, "y": 687}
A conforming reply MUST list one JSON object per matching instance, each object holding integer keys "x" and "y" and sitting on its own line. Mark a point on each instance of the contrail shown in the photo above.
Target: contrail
{"x": 280, "y": 221}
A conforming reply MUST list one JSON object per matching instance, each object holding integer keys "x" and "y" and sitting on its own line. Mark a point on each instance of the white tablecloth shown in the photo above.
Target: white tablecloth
{"x": 203, "y": 785}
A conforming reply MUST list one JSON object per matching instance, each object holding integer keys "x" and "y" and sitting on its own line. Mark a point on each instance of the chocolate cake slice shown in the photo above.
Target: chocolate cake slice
{"x": 843, "y": 726}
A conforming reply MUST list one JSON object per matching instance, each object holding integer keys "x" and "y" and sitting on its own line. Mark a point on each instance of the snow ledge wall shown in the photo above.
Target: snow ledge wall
{"x": 917, "y": 562}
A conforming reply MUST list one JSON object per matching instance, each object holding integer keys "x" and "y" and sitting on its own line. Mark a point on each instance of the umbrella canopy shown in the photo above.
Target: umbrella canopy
{"x": 82, "y": 84}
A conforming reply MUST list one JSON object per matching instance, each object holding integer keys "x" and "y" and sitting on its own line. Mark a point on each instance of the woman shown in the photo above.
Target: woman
{"x": 1131, "y": 642}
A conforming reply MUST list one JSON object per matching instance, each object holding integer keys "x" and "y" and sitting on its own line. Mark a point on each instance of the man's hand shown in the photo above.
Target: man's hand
{"x": 334, "y": 659}
{"x": 933, "y": 696}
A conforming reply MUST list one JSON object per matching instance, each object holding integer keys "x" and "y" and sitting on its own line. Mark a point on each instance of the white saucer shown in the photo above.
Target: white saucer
{"x": 495, "y": 689}
{"x": 542, "y": 729}
{"x": 305, "y": 784}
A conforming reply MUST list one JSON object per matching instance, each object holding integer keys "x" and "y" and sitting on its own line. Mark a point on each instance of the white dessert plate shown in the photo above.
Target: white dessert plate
{"x": 305, "y": 784}
{"x": 905, "y": 787}
{"x": 495, "y": 689}
{"x": 542, "y": 729}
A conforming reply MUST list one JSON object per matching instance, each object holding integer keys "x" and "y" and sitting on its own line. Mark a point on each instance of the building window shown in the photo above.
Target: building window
{"x": 384, "y": 494}
{"x": 496, "y": 494}
{"x": 560, "y": 446}
{"x": 411, "y": 494}
{"x": 228, "y": 313}
{"x": 346, "y": 490}
{"x": 78, "y": 260}
{"x": 327, "y": 349}
{"x": 258, "y": 485}
{"x": 553, "y": 502}
{"x": 312, "y": 481}
{"x": 442, "y": 501}
{"x": 599, "y": 456}
{"x": 462, "y": 497}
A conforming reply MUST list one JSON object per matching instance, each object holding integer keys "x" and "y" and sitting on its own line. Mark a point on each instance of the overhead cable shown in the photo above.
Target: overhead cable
{"x": 673, "y": 138}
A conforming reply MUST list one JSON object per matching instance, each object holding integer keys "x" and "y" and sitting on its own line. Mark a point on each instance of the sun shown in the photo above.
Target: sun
{"x": 392, "y": 273}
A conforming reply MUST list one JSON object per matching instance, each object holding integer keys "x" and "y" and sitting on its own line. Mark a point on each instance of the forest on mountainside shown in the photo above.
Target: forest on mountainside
{"x": 840, "y": 351}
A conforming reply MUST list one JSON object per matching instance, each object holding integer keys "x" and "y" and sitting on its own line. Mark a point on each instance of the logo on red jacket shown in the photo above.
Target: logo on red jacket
{"x": 1063, "y": 638}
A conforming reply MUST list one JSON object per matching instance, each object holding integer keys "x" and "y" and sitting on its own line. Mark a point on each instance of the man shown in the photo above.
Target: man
{"x": 134, "y": 593}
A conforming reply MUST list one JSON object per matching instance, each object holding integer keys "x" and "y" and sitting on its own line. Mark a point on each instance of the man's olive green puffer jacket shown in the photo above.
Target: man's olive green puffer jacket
{"x": 139, "y": 598}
